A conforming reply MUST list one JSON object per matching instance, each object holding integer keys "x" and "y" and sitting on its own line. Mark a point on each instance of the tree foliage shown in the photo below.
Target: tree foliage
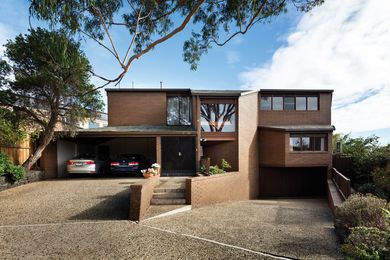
{"x": 42, "y": 84}
{"x": 149, "y": 23}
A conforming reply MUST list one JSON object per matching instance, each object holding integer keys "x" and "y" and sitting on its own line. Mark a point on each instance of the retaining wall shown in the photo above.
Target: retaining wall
{"x": 140, "y": 195}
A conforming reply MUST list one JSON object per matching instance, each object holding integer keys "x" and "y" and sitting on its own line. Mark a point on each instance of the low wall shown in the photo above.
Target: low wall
{"x": 31, "y": 176}
{"x": 140, "y": 195}
{"x": 208, "y": 190}
{"x": 334, "y": 197}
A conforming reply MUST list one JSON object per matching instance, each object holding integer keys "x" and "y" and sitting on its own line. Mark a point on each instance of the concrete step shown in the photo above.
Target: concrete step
{"x": 169, "y": 190}
{"x": 156, "y": 201}
{"x": 170, "y": 195}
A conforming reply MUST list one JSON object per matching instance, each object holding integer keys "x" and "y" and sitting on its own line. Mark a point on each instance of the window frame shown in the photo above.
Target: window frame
{"x": 179, "y": 112}
{"x": 311, "y": 145}
{"x": 220, "y": 102}
{"x": 295, "y": 102}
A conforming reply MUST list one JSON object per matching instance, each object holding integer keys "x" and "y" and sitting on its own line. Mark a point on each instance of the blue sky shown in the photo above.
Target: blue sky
{"x": 342, "y": 45}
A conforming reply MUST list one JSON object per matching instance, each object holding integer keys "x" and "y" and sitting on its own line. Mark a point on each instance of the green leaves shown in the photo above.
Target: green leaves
{"x": 51, "y": 81}
{"x": 151, "y": 22}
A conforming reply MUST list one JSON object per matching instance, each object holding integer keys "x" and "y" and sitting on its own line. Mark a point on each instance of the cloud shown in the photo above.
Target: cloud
{"x": 341, "y": 45}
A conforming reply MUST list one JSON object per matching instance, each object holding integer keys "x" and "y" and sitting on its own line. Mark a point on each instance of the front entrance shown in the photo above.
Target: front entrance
{"x": 178, "y": 156}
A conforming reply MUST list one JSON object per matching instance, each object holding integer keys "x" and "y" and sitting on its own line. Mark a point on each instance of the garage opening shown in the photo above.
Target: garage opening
{"x": 293, "y": 182}
{"x": 105, "y": 147}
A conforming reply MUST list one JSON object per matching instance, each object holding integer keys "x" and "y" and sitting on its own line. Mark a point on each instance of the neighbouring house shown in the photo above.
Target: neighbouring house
{"x": 278, "y": 142}
{"x": 100, "y": 121}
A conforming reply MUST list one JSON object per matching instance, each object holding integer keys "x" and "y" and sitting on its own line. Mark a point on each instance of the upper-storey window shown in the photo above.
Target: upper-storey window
{"x": 302, "y": 142}
{"x": 312, "y": 103}
{"x": 179, "y": 110}
{"x": 218, "y": 117}
{"x": 266, "y": 103}
{"x": 289, "y": 103}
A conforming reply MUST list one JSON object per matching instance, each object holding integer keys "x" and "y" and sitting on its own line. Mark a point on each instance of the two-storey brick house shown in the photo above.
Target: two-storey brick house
{"x": 277, "y": 141}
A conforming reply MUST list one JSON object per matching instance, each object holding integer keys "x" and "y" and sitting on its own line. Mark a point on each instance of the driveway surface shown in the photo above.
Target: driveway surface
{"x": 86, "y": 218}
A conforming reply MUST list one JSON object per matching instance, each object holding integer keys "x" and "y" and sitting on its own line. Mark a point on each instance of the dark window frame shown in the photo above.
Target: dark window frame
{"x": 179, "y": 113}
{"x": 312, "y": 142}
{"x": 221, "y": 102}
{"x": 295, "y": 103}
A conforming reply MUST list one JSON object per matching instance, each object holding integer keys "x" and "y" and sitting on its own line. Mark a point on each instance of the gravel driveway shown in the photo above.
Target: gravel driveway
{"x": 66, "y": 200}
{"x": 86, "y": 218}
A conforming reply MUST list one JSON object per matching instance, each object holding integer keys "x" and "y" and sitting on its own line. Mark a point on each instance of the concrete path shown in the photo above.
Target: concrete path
{"x": 85, "y": 218}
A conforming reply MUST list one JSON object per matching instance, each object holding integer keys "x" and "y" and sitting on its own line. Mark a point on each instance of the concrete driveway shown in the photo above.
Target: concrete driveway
{"x": 86, "y": 218}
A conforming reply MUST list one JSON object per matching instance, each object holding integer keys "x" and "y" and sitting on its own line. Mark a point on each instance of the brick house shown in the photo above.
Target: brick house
{"x": 278, "y": 142}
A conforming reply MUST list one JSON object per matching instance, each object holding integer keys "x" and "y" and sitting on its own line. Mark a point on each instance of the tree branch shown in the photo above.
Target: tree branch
{"x": 252, "y": 21}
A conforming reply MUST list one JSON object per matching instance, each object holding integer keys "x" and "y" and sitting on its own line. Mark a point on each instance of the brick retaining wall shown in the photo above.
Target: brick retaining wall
{"x": 208, "y": 190}
{"x": 140, "y": 195}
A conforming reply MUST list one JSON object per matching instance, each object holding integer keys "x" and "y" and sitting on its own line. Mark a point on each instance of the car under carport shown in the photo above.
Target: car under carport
{"x": 149, "y": 141}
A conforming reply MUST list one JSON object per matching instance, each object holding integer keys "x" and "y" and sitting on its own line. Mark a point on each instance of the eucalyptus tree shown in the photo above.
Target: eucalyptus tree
{"x": 145, "y": 24}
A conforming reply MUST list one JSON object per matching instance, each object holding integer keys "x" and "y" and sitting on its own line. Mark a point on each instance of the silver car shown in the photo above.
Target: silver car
{"x": 88, "y": 164}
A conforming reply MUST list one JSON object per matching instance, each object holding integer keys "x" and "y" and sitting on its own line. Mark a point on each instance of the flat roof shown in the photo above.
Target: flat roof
{"x": 296, "y": 90}
{"x": 148, "y": 90}
{"x": 217, "y": 92}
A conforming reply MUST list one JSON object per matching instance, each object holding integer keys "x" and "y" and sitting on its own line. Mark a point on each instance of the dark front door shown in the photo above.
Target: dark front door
{"x": 178, "y": 156}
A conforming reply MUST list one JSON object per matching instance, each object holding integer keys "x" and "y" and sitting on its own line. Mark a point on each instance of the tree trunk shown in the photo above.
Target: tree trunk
{"x": 48, "y": 135}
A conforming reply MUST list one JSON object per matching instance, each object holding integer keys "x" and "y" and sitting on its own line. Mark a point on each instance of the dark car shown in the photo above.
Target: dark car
{"x": 129, "y": 163}
{"x": 88, "y": 164}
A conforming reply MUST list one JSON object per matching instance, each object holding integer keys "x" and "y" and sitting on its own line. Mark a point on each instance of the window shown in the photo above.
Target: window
{"x": 295, "y": 144}
{"x": 308, "y": 143}
{"x": 178, "y": 110}
{"x": 218, "y": 117}
{"x": 312, "y": 103}
{"x": 277, "y": 103}
{"x": 300, "y": 103}
{"x": 289, "y": 103}
{"x": 265, "y": 103}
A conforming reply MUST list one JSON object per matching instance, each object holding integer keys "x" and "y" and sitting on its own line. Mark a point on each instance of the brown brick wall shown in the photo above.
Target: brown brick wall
{"x": 320, "y": 117}
{"x": 272, "y": 147}
{"x": 299, "y": 159}
{"x": 248, "y": 143}
{"x": 203, "y": 191}
{"x": 218, "y": 150}
{"x": 136, "y": 108}
{"x": 140, "y": 195}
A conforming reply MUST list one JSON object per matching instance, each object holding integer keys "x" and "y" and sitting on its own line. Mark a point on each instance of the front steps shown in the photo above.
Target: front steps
{"x": 170, "y": 191}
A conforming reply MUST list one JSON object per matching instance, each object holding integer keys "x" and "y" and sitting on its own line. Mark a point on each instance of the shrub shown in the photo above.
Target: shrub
{"x": 215, "y": 170}
{"x": 373, "y": 189}
{"x": 361, "y": 210}
{"x": 7, "y": 167}
{"x": 225, "y": 165}
{"x": 4, "y": 163}
{"x": 367, "y": 243}
{"x": 381, "y": 178}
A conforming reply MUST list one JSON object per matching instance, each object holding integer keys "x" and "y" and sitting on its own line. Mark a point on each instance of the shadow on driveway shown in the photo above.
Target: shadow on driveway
{"x": 113, "y": 207}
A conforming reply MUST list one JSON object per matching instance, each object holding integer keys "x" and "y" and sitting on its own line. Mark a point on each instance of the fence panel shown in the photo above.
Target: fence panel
{"x": 19, "y": 153}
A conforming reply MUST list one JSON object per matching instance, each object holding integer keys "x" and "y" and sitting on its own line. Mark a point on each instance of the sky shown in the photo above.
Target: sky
{"x": 340, "y": 45}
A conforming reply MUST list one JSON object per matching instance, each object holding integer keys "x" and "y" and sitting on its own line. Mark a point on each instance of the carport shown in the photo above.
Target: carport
{"x": 153, "y": 142}
{"x": 293, "y": 181}
{"x": 106, "y": 147}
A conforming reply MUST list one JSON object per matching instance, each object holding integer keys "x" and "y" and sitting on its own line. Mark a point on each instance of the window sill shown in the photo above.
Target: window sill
{"x": 308, "y": 152}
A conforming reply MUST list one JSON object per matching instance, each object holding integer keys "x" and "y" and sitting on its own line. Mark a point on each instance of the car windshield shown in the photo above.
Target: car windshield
{"x": 85, "y": 156}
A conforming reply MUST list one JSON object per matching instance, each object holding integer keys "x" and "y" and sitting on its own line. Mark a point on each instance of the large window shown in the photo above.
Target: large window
{"x": 218, "y": 117}
{"x": 288, "y": 103}
{"x": 179, "y": 110}
{"x": 308, "y": 142}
